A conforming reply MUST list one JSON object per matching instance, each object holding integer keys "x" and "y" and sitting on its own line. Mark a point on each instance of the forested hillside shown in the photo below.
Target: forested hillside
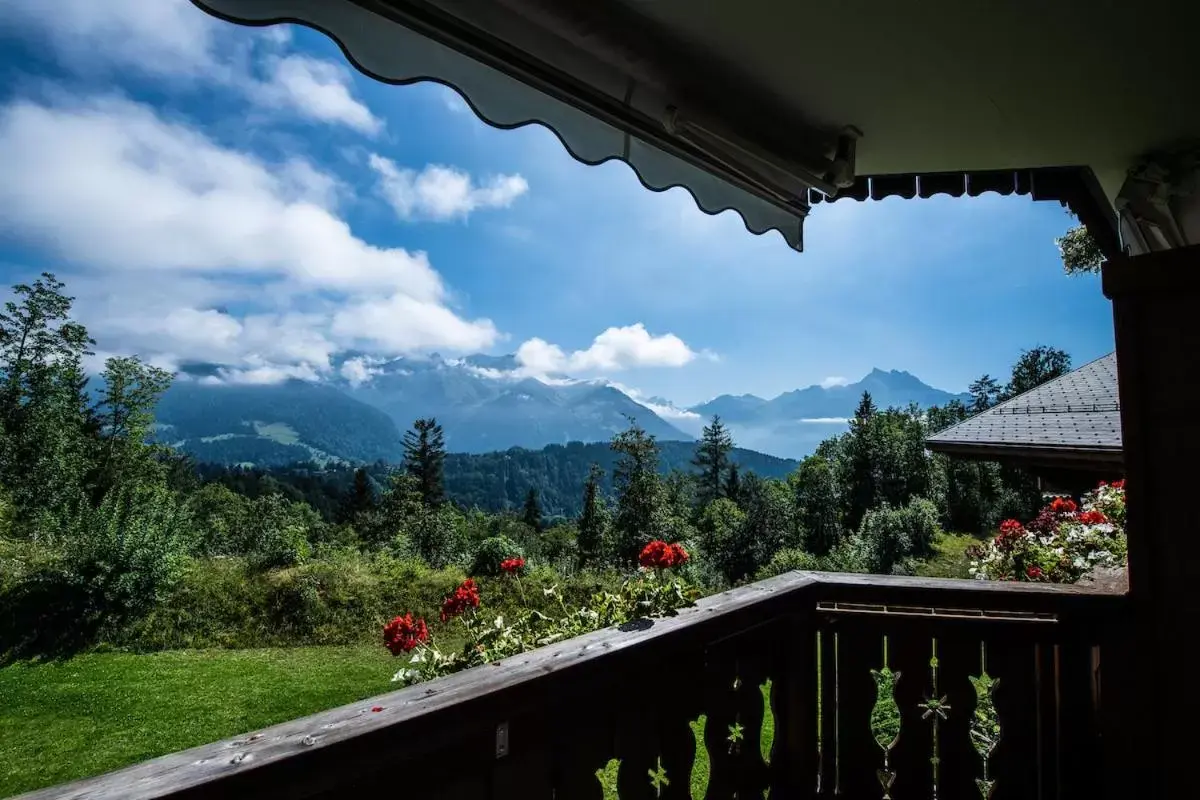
{"x": 490, "y": 481}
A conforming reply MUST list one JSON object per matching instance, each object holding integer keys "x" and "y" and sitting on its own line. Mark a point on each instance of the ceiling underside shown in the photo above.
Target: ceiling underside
{"x": 751, "y": 104}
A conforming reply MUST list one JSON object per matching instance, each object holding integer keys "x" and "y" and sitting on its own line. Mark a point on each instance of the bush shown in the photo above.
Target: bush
{"x": 116, "y": 564}
{"x": 889, "y": 536}
{"x": 847, "y": 556}
{"x": 274, "y": 532}
{"x": 343, "y": 597}
{"x": 789, "y": 559}
{"x": 491, "y": 552}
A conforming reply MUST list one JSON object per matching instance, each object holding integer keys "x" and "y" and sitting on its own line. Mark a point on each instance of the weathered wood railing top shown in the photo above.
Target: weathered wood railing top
{"x": 540, "y": 724}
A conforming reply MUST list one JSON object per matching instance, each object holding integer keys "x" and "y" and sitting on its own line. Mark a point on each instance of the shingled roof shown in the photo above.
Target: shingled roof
{"x": 1072, "y": 420}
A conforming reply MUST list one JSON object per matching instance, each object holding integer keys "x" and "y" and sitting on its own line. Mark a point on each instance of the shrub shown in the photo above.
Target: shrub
{"x": 889, "y": 536}
{"x": 116, "y": 564}
{"x": 789, "y": 559}
{"x": 274, "y": 532}
{"x": 491, "y": 552}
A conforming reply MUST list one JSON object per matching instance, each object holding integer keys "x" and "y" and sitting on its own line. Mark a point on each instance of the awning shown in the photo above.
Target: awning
{"x": 767, "y": 108}
{"x": 483, "y": 50}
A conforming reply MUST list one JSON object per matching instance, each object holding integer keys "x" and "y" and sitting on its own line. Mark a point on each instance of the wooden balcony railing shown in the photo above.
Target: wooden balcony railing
{"x": 995, "y": 692}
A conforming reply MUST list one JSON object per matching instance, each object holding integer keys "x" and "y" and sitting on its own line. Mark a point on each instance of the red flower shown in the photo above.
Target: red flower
{"x": 1092, "y": 518}
{"x": 660, "y": 555}
{"x": 1119, "y": 484}
{"x": 511, "y": 565}
{"x": 464, "y": 597}
{"x": 403, "y": 634}
{"x": 1010, "y": 531}
{"x": 1063, "y": 505}
{"x": 1034, "y": 573}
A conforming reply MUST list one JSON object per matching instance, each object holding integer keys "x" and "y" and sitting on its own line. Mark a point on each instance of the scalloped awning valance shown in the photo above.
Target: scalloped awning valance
{"x": 600, "y": 112}
{"x": 758, "y": 106}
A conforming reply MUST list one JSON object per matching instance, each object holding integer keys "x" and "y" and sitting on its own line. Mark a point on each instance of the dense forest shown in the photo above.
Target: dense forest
{"x": 107, "y": 537}
{"x": 497, "y": 481}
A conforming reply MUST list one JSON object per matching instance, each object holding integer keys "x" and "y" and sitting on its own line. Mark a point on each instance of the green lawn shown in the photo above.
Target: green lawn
{"x": 94, "y": 713}
{"x": 65, "y": 720}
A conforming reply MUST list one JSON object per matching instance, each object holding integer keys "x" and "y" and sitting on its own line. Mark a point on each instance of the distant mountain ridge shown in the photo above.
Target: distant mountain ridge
{"x": 795, "y": 422}
{"x": 484, "y": 405}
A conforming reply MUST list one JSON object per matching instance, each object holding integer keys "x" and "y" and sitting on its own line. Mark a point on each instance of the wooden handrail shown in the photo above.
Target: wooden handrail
{"x": 463, "y": 715}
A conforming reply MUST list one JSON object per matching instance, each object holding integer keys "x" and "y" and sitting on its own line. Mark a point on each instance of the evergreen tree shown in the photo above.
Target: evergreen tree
{"x": 359, "y": 499}
{"x": 593, "y": 521}
{"x": 985, "y": 393}
{"x": 860, "y": 465}
{"x": 640, "y": 495}
{"x": 712, "y": 461}
{"x": 531, "y": 515}
{"x": 733, "y": 484}
{"x": 424, "y": 460}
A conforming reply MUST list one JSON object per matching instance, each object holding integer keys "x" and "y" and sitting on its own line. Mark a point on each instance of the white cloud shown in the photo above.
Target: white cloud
{"x": 319, "y": 90}
{"x": 442, "y": 193}
{"x": 110, "y": 184}
{"x": 163, "y": 228}
{"x": 665, "y": 409}
{"x": 175, "y": 41}
{"x": 401, "y": 323}
{"x": 614, "y": 349}
{"x": 834, "y": 380}
{"x": 359, "y": 370}
{"x": 825, "y": 420}
{"x": 159, "y": 37}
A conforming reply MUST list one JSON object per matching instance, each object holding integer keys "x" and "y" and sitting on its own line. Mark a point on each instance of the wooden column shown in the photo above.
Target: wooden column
{"x": 1156, "y": 313}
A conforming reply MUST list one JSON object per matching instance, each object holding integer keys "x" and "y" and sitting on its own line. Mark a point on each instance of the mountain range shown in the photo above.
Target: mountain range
{"x": 484, "y": 406}
{"x": 794, "y": 423}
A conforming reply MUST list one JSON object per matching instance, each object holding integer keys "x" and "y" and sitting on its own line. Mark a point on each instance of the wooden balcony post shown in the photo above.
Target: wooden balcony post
{"x": 1156, "y": 313}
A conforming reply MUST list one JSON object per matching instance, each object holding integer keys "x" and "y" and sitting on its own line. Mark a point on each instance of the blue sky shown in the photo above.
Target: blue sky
{"x": 243, "y": 197}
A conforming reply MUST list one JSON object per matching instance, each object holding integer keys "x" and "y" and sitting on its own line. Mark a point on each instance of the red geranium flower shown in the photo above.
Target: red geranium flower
{"x": 464, "y": 597}
{"x": 1119, "y": 484}
{"x": 1010, "y": 531}
{"x": 1092, "y": 518}
{"x": 1063, "y": 505}
{"x": 1034, "y": 573}
{"x": 511, "y": 565}
{"x": 404, "y": 633}
{"x": 660, "y": 555}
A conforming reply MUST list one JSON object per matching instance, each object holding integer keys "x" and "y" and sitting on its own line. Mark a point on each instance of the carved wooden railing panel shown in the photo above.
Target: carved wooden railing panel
{"x": 866, "y": 687}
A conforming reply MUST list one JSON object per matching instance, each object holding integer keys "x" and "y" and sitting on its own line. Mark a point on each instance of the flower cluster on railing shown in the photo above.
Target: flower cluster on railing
{"x": 1062, "y": 544}
{"x": 655, "y": 591}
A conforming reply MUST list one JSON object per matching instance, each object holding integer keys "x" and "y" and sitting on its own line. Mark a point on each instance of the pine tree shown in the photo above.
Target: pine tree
{"x": 712, "y": 459}
{"x": 984, "y": 392}
{"x": 640, "y": 514}
{"x": 424, "y": 459}
{"x": 593, "y": 520}
{"x": 359, "y": 498}
{"x": 531, "y": 515}
{"x": 733, "y": 484}
{"x": 861, "y": 480}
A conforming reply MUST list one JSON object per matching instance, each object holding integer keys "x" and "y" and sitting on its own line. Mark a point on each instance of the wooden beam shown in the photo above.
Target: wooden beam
{"x": 1158, "y": 355}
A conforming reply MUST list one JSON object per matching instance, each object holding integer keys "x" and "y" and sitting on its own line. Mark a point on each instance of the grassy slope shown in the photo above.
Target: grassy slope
{"x": 94, "y": 713}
